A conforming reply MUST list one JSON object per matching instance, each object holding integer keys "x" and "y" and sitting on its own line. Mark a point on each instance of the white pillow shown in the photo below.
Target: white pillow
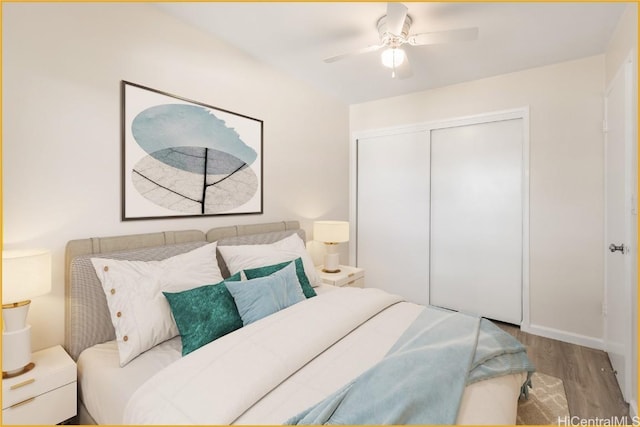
{"x": 139, "y": 311}
{"x": 243, "y": 257}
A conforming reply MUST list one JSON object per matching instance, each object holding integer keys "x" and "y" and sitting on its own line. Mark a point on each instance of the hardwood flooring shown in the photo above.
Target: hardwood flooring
{"x": 590, "y": 384}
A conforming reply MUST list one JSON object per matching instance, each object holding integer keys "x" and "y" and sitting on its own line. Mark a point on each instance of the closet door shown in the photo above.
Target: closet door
{"x": 476, "y": 219}
{"x": 392, "y": 213}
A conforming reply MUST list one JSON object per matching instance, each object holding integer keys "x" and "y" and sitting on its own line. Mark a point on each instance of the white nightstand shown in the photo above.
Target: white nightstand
{"x": 347, "y": 276}
{"x": 45, "y": 395}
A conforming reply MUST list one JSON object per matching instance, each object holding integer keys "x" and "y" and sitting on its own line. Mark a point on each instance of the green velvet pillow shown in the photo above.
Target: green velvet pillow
{"x": 204, "y": 314}
{"x": 307, "y": 290}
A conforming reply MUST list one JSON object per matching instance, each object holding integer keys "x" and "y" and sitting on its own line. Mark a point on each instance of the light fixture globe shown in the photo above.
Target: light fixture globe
{"x": 393, "y": 57}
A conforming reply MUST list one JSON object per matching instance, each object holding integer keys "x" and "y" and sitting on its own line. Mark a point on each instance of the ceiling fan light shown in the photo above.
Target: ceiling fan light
{"x": 392, "y": 57}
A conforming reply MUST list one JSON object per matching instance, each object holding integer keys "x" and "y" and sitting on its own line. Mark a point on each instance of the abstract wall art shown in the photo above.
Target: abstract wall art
{"x": 184, "y": 158}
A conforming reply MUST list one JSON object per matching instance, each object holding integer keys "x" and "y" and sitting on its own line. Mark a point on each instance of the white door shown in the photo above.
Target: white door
{"x": 477, "y": 219}
{"x": 392, "y": 213}
{"x": 618, "y": 235}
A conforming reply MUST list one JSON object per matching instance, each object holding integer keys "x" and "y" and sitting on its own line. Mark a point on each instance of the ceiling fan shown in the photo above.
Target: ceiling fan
{"x": 393, "y": 29}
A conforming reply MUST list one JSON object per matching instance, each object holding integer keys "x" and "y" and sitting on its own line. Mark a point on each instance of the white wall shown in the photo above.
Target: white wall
{"x": 62, "y": 67}
{"x": 623, "y": 41}
{"x": 566, "y": 178}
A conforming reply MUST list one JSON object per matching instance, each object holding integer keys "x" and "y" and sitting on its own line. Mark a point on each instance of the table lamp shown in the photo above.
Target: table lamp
{"x": 25, "y": 274}
{"x": 331, "y": 233}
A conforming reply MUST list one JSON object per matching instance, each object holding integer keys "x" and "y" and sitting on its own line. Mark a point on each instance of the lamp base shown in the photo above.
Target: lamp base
{"x": 331, "y": 261}
{"x": 16, "y": 341}
{"x": 18, "y": 372}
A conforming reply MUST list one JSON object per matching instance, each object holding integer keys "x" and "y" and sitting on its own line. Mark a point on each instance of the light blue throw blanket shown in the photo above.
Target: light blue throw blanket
{"x": 422, "y": 378}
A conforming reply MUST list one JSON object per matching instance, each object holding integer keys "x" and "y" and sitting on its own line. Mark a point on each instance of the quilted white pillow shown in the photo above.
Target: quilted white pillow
{"x": 244, "y": 257}
{"x": 139, "y": 311}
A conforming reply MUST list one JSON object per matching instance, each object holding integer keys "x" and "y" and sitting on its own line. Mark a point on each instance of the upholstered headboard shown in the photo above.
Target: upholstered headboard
{"x": 87, "y": 319}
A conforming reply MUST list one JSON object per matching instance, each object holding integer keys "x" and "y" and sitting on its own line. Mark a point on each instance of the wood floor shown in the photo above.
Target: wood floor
{"x": 590, "y": 384}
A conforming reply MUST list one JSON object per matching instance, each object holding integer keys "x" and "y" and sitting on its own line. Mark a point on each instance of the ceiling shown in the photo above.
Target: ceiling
{"x": 296, "y": 37}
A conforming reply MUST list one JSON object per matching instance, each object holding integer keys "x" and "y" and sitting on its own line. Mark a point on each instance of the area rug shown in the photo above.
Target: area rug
{"x": 546, "y": 404}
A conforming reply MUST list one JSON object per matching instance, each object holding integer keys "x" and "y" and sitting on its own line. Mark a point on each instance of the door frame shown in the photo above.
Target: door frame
{"x": 427, "y": 127}
{"x": 631, "y": 238}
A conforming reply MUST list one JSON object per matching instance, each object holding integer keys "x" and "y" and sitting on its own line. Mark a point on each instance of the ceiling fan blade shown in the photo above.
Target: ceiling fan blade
{"x": 371, "y": 48}
{"x": 463, "y": 34}
{"x": 396, "y": 15}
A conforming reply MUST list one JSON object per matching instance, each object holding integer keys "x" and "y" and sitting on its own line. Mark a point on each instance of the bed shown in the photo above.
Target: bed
{"x": 269, "y": 371}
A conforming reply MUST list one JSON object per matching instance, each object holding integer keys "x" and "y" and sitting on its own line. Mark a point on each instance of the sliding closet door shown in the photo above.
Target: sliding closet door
{"x": 476, "y": 219}
{"x": 392, "y": 211}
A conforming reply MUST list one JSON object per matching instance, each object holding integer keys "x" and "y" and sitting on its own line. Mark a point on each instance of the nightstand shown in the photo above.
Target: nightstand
{"x": 347, "y": 276}
{"x": 45, "y": 395}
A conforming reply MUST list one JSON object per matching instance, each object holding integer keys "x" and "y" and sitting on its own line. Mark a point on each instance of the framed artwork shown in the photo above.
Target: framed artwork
{"x": 182, "y": 158}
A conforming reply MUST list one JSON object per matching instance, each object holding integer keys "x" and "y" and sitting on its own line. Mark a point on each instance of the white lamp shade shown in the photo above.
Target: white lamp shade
{"x": 25, "y": 274}
{"x": 331, "y": 231}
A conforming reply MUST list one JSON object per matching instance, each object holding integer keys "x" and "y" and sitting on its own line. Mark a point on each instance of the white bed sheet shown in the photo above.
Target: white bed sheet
{"x": 490, "y": 402}
{"x": 105, "y": 387}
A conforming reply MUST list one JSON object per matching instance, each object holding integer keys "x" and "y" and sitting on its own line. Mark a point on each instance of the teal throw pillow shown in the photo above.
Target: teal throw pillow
{"x": 204, "y": 314}
{"x": 308, "y": 291}
{"x": 258, "y": 298}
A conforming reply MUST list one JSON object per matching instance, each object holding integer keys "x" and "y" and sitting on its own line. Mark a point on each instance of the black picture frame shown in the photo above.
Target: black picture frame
{"x": 183, "y": 158}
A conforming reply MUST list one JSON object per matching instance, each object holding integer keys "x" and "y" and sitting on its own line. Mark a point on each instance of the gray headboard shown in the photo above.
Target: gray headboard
{"x": 87, "y": 320}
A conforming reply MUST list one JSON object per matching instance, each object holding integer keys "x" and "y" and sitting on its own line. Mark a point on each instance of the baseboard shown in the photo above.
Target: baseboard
{"x": 559, "y": 335}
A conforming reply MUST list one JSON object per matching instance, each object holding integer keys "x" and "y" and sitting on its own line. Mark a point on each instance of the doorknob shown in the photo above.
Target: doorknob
{"x": 613, "y": 247}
